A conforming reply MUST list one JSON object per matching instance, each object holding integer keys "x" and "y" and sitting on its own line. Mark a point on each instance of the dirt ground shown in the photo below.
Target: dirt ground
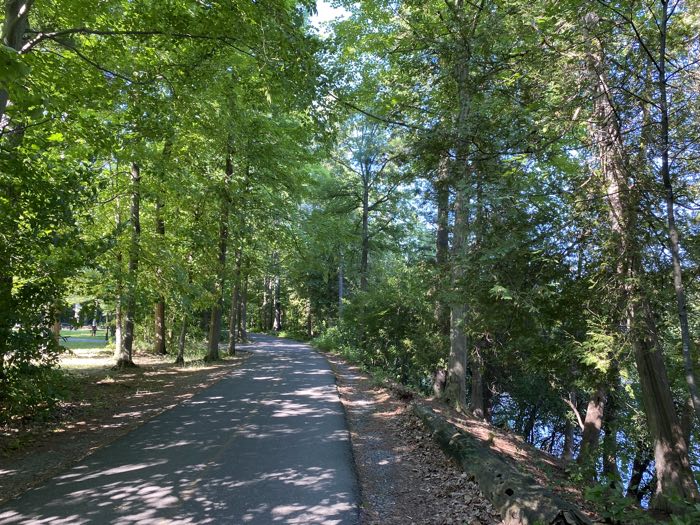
{"x": 103, "y": 405}
{"x": 404, "y": 476}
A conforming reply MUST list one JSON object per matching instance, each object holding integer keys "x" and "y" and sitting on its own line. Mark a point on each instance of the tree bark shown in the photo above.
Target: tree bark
{"x": 673, "y": 233}
{"x": 567, "y": 453}
{"x": 640, "y": 464}
{"x": 592, "y": 425}
{"x": 442, "y": 246}
{"x": 235, "y": 302}
{"x": 7, "y": 308}
{"x": 277, "y": 326}
{"x": 215, "y": 318}
{"x": 159, "y": 346}
{"x": 456, "y": 389}
{"x": 364, "y": 256}
{"x": 477, "y": 403}
{"x": 243, "y": 328}
{"x": 341, "y": 286}
{"x": 610, "y": 470}
{"x": 264, "y": 308}
{"x": 675, "y": 479}
{"x": 125, "y": 358}
{"x": 180, "y": 359}
{"x": 456, "y": 386}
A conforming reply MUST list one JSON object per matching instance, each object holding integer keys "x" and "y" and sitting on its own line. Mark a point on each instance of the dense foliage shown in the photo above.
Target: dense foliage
{"x": 494, "y": 201}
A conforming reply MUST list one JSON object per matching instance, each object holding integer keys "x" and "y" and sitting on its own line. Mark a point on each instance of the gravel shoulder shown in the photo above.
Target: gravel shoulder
{"x": 404, "y": 476}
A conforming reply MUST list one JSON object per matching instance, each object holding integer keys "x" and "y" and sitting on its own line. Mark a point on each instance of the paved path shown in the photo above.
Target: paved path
{"x": 268, "y": 445}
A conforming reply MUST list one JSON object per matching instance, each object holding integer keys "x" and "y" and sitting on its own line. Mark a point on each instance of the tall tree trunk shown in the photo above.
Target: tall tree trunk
{"x": 309, "y": 321}
{"x": 215, "y": 318}
{"x": 673, "y": 233}
{"x": 118, "y": 313}
{"x": 442, "y": 241}
{"x": 271, "y": 303}
{"x": 456, "y": 387}
{"x": 610, "y": 470}
{"x": 235, "y": 303}
{"x": 243, "y": 323}
{"x": 126, "y": 356}
{"x": 278, "y": 306}
{"x": 364, "y": 255}
{"x": 341, "y": 285}
{"x": 159, "y": 346}
{"x": 264, "y": 305}
{"x": 477, "y": 403}
{"x": 675, "y": 479}
{"x": 180, "y": 359}
{"x": 7, "y": 307}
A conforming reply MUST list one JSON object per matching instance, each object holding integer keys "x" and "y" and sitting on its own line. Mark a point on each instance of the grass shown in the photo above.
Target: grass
{"x": 69, "y": 336}
{"x": 74, "y": 345}
{"x": 82, "y": 332}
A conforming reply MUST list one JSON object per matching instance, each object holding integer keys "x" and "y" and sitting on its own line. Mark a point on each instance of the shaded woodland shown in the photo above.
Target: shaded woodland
{"x": 493, "y": 201}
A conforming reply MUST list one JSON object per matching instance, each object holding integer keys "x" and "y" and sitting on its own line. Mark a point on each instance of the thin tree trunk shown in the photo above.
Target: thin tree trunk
{"x": 675, "y": 479}
{"x": 364, "y": 256}
{"x": 529, "y": 427}
{"x": 341, "y": 285}
{"x": 215, "y": 319}
{"x": 278, "y": 306}
{"x": 477, "y": 403}
{"x": 126, "y": 356}
{"x": 159, "y": 346}
{"x": 610, "y": 469}
{"x": 180, "y": 360}
{"x": 235, "y": 303}
{"x": 265, "y": 307}
{"x": 243, "y": 328}
{"x": 592, "y": 425}
{"x": 442, "y": 242}
{"x": 118, "y": 314}
{"x": 567, "y": 453}
{"x": 7, "y": 308}
{"x": 673, "y": 233}
{"x": 642, "y": 459}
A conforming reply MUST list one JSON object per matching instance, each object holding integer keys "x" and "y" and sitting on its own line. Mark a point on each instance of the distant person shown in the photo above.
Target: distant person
{"x": 94, "y": 327}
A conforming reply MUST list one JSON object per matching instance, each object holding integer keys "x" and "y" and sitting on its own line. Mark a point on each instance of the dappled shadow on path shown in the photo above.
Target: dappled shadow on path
{"x": 267, "y": 445}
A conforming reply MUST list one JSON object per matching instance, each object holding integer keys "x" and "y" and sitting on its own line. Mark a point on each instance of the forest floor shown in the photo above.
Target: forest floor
{"x": 404, "y": 476}
{"x": 102, "y": 404}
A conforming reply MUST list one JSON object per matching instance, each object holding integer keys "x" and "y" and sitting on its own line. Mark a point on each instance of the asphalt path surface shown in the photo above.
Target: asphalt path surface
{"x": 267, "y": 444}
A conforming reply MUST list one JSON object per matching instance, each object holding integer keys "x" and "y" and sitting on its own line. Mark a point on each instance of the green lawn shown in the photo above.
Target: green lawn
{"x": 82, "y": 333}
{"x": 97, "y": 341}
